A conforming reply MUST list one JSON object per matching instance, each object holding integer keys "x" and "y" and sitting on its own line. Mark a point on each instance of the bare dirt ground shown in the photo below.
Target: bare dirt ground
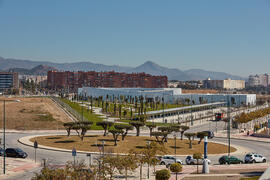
{"x": 93, "y": 142}
{"x": 32, "y": 114}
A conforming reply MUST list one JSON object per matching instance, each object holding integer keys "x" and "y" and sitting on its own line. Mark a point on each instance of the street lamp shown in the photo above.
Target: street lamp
{"x": 148, "y": 171}
{"x": 4, "y": 132}
{"x": 174, "y": 135}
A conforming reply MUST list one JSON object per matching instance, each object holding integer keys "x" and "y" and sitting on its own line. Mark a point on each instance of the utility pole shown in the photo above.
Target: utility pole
{"x": 4, "y": 136}
{"x": 229, "y": 127}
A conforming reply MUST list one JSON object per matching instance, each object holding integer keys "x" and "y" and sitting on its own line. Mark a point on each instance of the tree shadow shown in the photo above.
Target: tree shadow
{"x": 140, "y": 147}
{"x": 65, "y": 141}
{"x": 177, "y": 147}
{"x": 107, "y": 140}
{"x": 54, "y": 138}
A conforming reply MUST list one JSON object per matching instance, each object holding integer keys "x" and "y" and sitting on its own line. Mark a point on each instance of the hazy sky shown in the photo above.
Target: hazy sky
{"x": 230, "y": 35}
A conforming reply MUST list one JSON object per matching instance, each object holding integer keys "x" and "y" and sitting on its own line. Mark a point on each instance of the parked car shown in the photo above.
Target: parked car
{"x": 254, "y": 158}
{"x": 1, "y": 151}
{"x": 191, "y": 161}
{"x": 210, "y": 134}
{"x": 229, "y": 160}
{"x": 167, "y": 160}
{"x": 15, "y": 152}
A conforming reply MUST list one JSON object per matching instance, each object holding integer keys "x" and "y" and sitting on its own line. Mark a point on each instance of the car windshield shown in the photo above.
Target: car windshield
{"x": 19, "y": 150}
{"x": 248, "y": 155}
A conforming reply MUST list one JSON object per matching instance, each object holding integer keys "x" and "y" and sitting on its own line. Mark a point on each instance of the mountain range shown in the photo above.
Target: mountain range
{"x": 148, "y": 67}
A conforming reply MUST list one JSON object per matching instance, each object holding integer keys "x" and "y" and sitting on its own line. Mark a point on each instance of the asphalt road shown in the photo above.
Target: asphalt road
{"x": 60, "y": 158}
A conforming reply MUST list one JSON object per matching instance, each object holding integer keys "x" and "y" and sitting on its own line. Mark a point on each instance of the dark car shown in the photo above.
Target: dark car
{"x": 1, "y": 151}
{"x": 210, "y": 134}
{"x": 229, "y": 160}
{"x": 15, "y": 152}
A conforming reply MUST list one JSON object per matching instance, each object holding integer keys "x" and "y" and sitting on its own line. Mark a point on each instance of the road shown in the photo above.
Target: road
{"x": 60, "y": 158}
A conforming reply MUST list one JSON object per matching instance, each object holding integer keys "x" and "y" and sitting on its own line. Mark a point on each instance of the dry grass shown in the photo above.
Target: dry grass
{"x": 32, "y": 114}
{"x": 200, "y": 91}
{"x": 91, "y": 143}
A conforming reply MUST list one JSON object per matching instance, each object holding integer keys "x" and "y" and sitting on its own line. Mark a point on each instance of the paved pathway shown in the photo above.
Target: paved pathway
{"x": 15, "y": 166}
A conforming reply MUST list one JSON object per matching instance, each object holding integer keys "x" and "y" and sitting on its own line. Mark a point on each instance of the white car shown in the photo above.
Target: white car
{"x": 191, "y": 161}
{"x": 254, "y": 158}
{"x": 167, "y": 160}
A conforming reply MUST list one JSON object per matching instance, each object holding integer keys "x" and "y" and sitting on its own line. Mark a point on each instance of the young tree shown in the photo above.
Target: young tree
{"x": 110, "y": 164}
{"x": 105, "y": 125}
{"x": 68, "y": 126}
{"x": 176, "y": 168}
{"x": 163, "y": 174}
{"x": 158, "y": 134}
{"x": 128, "y": 163}
{"x": 137, "y": 125}
{"x": 82, "y": 127}
{"x": 197, "y": 156}
{"x": 70, "y": 171}
{"x": 151, "y": 127}
{"x": 115, "y": 133}
{"x": 125, "y": 128}
{"x": 201, "y": 135}
{"x": 182, "y": 131}
{"x": 190, "y": 136}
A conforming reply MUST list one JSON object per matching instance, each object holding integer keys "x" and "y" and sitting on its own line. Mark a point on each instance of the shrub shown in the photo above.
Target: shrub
{"x": 163, "y": 174}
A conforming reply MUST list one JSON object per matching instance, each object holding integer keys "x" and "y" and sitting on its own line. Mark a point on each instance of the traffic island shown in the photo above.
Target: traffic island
{"x": 95, "y": 143}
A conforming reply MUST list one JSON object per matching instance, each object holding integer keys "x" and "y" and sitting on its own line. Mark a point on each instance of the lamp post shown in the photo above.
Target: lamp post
{"x": 229, "y": 126}
{"x": 4, "y": 132}
{"x": 174, "y": 147}
{"x": 148, "y": 170}
{"x": 4, "y": 136}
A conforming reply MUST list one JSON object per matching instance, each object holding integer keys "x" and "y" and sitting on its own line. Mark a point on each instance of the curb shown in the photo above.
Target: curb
{"x": 242, "y": 139}
{"x": 97, "y": 153}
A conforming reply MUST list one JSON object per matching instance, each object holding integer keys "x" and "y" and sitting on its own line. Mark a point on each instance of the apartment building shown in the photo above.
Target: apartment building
{"x": 74, "y": 80}
{"x": 9, "y": 81}
{"x": 224, "y": 84}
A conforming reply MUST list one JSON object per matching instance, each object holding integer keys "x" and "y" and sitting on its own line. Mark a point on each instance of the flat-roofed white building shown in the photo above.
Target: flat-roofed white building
{"x": 170, "y": 95}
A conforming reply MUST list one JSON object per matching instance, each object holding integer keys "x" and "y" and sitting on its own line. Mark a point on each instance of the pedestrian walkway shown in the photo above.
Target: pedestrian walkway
{"x": 15, "y": 166}
{"x": 243, "y": 136}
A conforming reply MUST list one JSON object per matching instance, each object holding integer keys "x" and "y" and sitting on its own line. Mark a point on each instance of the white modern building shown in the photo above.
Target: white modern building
{"x": 170, "y": 95}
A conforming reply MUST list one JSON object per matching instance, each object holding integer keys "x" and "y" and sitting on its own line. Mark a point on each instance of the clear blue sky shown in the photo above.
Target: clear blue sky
{"x": 230, "y": 35}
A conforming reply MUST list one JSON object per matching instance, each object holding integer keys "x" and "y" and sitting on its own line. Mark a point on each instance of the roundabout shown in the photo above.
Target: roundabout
{"x": 95, "y": 143}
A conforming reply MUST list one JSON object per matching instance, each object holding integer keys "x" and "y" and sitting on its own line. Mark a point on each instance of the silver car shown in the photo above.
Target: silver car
{"x": 191, "y": 161}
{"x": 167, "y": 160}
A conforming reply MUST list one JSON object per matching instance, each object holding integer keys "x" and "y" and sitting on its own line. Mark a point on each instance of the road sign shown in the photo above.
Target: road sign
{"x": 74, "y": 152}
{"x": 35, "y": 145}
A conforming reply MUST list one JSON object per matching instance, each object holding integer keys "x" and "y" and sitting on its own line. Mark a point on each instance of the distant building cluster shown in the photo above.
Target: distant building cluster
{"x": 37, "y": 79}
{"x": 71, "y": 81}
{"x": 259, "y": 80}
{"x": 224, "y": 84}
{"x": 9, "y": 81}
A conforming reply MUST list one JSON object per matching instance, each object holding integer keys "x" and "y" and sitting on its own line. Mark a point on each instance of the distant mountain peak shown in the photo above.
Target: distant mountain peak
{"x": 149, "y": 67}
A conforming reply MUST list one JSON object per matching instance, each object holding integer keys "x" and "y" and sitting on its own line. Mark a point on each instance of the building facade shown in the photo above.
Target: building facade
{"x": 170, "y": 95}
{"x": 259, "y": 80}
{"x": 74, "y": 80}
{"x": 224, "y": 84}
{"x": 9, "y": 81}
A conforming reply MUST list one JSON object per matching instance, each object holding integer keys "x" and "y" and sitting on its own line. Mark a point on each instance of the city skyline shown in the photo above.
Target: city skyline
{"x": 224, "y": 36}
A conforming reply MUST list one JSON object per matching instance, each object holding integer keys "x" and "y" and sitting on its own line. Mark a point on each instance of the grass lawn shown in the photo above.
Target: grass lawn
{"x": 91, "y": 143}
{"x": 86, "y": 114}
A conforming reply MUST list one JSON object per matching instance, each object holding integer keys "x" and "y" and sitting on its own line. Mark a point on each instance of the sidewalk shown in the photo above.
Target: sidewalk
{"x": 243, "y": 136}
{"x": 14, "y": 166}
